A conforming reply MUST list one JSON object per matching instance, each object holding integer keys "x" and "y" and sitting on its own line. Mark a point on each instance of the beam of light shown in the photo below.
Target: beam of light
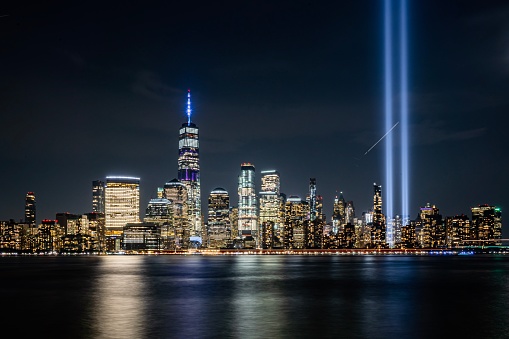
{"x": 388, "y": 107}
{"x": 376, "y": 143}
{"x": 189, "y": 107}
{"x": 404, "y": 111}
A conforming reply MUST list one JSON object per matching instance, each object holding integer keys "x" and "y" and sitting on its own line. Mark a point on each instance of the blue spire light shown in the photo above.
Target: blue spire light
{"x": 189, "y": 106}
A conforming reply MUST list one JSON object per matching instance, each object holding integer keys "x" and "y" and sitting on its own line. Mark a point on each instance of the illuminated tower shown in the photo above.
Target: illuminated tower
{"x": 270, "y": 208}
{"x": 189, "y": 169}
{"x": 98, "y": 196}
{"x": 338, "y": 213}
{"x": 378, "y": 229}
{"x": 30, "y": 216}
{"x": 248, "y": 216}
{"x": 296, "y": 221}
{"x": 487, "y": 224}
{"x": 176, "y": 192}
{"x": 312, "y": 199}
{"x": 121, "y": 203}
{"x": 218, "y": 218}
{"x": 430, "y": 228}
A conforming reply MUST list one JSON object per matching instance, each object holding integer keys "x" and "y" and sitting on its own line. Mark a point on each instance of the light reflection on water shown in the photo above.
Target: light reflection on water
{"x": 257, "y": 296}
{"x": 121, "y": 298}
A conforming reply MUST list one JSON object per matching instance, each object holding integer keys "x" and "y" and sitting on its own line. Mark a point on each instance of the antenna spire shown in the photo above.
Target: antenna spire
{"x": 189, "y": 106}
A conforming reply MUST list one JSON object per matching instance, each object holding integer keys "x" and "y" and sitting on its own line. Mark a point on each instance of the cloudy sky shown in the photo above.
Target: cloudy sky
{"x": 90, "y": 89}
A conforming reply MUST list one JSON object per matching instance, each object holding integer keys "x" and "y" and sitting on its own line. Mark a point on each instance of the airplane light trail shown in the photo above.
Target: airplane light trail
{"x": 381, "y": 138}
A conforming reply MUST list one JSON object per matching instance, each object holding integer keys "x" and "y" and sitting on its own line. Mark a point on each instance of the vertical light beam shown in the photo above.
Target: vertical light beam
{"x": 388, "y": 109}
{"x": 404, "y": 111}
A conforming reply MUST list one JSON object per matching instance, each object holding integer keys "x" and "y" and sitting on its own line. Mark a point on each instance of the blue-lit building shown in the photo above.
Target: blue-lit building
{"x": 189, "y": 170}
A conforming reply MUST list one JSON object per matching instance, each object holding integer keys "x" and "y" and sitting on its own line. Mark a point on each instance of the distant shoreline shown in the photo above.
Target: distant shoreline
{"x": 301, "y": 252}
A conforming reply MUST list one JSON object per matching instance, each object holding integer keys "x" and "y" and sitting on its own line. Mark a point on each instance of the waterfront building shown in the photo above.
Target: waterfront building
{"x": 121, "y": 203}
{"x": 96, "y": 227}
{"x": 159, "y": 211}
{"x": 141, "y": 236}
{"x": 487, "y": 224}
{"x": 430, "y": 227}
{"x": 176, "y": 192}
{"x": 457, "y": 231}
{"x": 296, "y": 221}
{"x": 270, "y": 219}
{"x": 248, "y": 205}
{"x": 408, "y": 236}
{"x": 378, "y": 228}
{"x": 98, "y": 196}
{"x": 15, "y": 236}
{"x": 30, "y": 208}
{"x": 218, "y": 221}
{"x": 189, "y": 170}
{"x": 49, "y": 236}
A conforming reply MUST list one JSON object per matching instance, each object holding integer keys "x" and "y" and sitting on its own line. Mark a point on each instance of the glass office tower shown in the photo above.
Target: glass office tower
{"x": 189, "y": 169}
{"x": 122, "y": 202}
{"x": 248, "y": 207}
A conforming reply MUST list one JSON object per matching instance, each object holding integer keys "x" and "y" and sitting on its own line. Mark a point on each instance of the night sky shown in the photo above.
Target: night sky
{"x": 90, "y": 89}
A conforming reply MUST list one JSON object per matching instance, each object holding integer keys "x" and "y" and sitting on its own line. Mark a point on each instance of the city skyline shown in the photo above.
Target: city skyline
{"x": 79, "y": 110}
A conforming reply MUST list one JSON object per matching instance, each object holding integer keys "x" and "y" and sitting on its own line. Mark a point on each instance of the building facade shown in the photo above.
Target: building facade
{"x": 189, "y": 169}
{"x": 270, "y": 216}
{"x": 378, "y": 236}
{"x": 121, "y": 203}
{"x": 248, "y": 205}
{"x": 98, "y": 196}
{"x": 218, "y": 221}
{"x": 30, "y": 209}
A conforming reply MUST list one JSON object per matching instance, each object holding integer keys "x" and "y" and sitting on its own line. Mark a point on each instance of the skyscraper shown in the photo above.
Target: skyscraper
{"x": 271, "y": 223}
{"x": 30, "y": 215}
{"x": 487, "y": 224}
{"x": 218, "y": 218}
{"x": 430, "y": 228}
{"x": 176, "y": 192}
{"x": 296, "y": 222}
{"x": 248, "y": 214}
{"x": 338, "y": 214}
{"x": 378, "y": 228}
{"x": 98, "y": 196}
{"x": 189, "y": 169}
{"x": 122, "y": 203}
{"x": 312, "y": 199}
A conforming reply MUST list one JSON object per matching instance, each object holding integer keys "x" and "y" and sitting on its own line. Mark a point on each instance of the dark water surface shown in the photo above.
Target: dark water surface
{"x": 255, "y": 296}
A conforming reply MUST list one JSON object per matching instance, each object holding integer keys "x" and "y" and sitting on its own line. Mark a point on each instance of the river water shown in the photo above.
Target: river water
{"x": 287, "y": 296}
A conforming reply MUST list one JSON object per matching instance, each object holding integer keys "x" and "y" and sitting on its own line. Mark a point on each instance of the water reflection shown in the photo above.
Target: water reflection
{"x": 121, "y": 297}
{"x": 258, "y": 300}
{"x": 257, "y": 296}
